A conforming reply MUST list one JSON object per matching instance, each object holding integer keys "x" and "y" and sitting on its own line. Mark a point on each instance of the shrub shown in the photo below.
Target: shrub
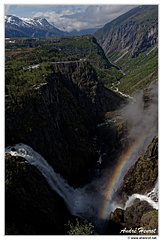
{"x": 81, "y": 228}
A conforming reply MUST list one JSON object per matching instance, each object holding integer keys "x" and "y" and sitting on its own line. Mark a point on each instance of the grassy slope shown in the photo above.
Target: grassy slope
{"x": 140, "y": 71}
{"x": 19, "y": 82}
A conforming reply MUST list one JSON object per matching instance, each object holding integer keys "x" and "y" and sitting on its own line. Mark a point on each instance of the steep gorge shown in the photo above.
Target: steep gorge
{"x": 85, "y": 133}
{"x": 60, "y": 116}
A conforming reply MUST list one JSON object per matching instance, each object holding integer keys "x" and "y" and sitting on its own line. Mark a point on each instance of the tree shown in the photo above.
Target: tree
{"x": 81, "y": 228}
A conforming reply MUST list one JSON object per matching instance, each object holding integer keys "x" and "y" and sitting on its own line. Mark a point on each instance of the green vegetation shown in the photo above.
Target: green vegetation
{"x": 84, "y": 47}
{"x": 109, "y": 76}
{"x": 139, "y": 71}
{"x": 81, "y": 228}
{"x": 22, "y": 83}
{"x": 29, "y": 64}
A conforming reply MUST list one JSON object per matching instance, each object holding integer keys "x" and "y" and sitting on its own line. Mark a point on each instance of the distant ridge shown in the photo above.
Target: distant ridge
{"x": 37, "y": 27}
{"x": 30, "y": 27}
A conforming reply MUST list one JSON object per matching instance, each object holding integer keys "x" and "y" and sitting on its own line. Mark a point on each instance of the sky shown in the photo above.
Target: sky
{"x": 71, "y": 17}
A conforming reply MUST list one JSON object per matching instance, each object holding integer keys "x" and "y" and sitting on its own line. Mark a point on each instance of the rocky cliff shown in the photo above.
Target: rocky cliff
{"x": 56, "y": 120}
{"x": 131, "y": 43}
{"x": 31, "y": 207}
{"x": 133, "y": 32}
{"x": 140, "y": 178}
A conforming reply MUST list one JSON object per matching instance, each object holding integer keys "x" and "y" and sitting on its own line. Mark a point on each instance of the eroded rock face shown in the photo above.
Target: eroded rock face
{"x": 142, "y": 176}
{"x": 56, "y": 122}
{"x": 31, "y": 207}
{"x": 132, "y": 32}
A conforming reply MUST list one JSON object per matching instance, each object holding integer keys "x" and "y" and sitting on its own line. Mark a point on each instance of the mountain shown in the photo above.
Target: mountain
{"x": 134, "y": 31}
{"x": 92, "y": 143}
{"x": 29, "y": 27}
{"x": 37, "y": 27}
{"x": 131, "y": 43}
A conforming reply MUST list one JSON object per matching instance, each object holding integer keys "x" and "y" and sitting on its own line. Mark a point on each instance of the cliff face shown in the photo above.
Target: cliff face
{"x": 133, "y": 32}
{"x": 56, "y": 121}
{"x": 131, "y": 43}
{"x": 140, "y": 178}
{"x": 31, "y": 207}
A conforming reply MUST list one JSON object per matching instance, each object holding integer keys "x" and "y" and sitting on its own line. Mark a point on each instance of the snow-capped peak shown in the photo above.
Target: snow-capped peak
{"x": 29, "y": 27}
{"x": 27, "y": 22}
{"x": 12, "y": 19}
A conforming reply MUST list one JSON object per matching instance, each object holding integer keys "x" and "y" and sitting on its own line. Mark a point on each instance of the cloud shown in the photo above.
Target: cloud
{"x": 101, "y": 13}
{"x": 61, "y": 22}
{"x": 7, "y": 8}
{"x": 79, "y": 18}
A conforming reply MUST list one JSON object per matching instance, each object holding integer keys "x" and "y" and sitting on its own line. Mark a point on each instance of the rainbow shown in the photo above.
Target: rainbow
{"x": 120, "y": 169}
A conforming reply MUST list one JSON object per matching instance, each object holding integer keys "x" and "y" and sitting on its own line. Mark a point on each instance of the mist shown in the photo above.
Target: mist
{"x": 141, "y": 114}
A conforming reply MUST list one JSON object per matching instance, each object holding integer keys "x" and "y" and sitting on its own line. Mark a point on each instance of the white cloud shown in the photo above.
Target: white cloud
{"x": 92, "y": 16}
{"x": 61, "y": 22}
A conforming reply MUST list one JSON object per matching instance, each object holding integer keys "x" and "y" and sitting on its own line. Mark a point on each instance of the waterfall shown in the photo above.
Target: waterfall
{"x": 81, "y": 202}
{"x": 55, "y": 181}
{"x": 151, "y": 198}
{"x": 84, "y": 202}
{"x": 154, "y": 193}
{"x": 132, "y": 198}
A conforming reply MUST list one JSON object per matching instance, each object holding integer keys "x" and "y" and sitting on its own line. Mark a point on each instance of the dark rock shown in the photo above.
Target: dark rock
{"x": 117, "y": 216}
{"x": 142, "y": 176}
{"x": 134, "y": 219}
{"x": 31, "y": 207}
{"x": 133, "y": 214}
{"x": 56, "y": 121}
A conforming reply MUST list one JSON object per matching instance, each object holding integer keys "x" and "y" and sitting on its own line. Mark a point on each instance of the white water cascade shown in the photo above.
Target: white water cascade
{"x": 151, "y": 198}
{"x": 80, "y": 201}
